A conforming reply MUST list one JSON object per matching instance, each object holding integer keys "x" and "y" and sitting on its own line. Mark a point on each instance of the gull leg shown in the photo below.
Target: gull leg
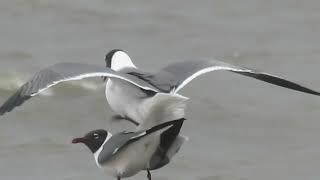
{"x": 148, "y": 175}
{"x": 118, "y": 178}
{"x": 118, "y": 117}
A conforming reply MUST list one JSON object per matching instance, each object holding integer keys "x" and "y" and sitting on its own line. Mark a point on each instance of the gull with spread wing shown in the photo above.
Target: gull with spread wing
{"x": 128, "y": 88}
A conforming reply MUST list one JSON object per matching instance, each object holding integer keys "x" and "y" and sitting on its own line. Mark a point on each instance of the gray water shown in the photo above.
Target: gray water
{"x": 239, "y": 128}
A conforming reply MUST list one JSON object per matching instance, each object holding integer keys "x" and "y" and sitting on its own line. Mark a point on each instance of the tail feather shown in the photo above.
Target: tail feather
{"x": 161, "y": 108}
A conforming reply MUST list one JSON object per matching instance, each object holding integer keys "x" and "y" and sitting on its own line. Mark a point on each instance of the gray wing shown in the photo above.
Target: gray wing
{"x": 62, "y": 72}
{"x": 162, "y": 81}
{"x": 184, "y": 72}
{"x": 116, "y": 143}
{"x": 120, "y": 141}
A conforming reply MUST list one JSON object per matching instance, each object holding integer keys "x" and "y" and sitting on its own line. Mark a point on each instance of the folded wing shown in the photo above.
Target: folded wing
{"x": 121, "y": 140}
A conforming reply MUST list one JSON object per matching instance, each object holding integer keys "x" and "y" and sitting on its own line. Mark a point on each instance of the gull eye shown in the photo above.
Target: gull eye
{"x": 96, "y": 136}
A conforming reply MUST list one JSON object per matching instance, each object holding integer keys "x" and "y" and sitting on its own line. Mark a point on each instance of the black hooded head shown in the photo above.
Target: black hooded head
{"x": 93, "y": 140}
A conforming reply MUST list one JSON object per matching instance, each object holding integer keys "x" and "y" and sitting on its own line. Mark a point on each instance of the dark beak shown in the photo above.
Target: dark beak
{"x": 78, "y": 140}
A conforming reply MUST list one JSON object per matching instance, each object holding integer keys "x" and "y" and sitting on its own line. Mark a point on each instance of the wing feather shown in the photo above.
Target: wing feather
{"x": 120, "y": 141}
{"x": 186, "y": 71}
{"x": 62, "y": 72}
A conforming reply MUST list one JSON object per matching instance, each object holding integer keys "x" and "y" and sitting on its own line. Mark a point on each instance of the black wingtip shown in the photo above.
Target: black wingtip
{"x": 164, "y": 125}
{"x": 279, "y": 81}
{"x": 14, "y": 101}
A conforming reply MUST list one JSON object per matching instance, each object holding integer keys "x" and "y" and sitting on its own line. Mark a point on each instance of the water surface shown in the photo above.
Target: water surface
{"x": 239, "y": 128}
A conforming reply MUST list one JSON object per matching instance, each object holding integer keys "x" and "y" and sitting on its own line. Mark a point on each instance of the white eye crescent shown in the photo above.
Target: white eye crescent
{"x": 96, "y": 136}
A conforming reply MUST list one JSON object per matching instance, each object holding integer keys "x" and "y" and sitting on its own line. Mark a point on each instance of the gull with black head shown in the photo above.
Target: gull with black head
{"x": 126, "y": 153}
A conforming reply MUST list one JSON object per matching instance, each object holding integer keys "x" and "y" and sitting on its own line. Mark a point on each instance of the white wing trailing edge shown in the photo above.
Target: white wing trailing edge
{"x": 185, "y": 72}
{"x": 62, "y": 72}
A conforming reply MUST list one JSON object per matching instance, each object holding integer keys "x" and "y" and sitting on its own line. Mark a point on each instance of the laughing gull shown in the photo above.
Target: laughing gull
{"x": 128, "y": 87}
{"x": 126, "y": 153}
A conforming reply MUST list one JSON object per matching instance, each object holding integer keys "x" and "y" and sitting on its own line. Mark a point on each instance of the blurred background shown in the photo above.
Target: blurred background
{"x": 239, "y": 128}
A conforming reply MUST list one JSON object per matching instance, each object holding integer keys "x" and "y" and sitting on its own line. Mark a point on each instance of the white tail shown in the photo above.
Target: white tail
{"x": 161, "y": 108}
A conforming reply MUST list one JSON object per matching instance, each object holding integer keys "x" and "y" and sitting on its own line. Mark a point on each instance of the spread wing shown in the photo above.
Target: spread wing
{"x": 184, "y": 72}
{"x": 62, "y": 72}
